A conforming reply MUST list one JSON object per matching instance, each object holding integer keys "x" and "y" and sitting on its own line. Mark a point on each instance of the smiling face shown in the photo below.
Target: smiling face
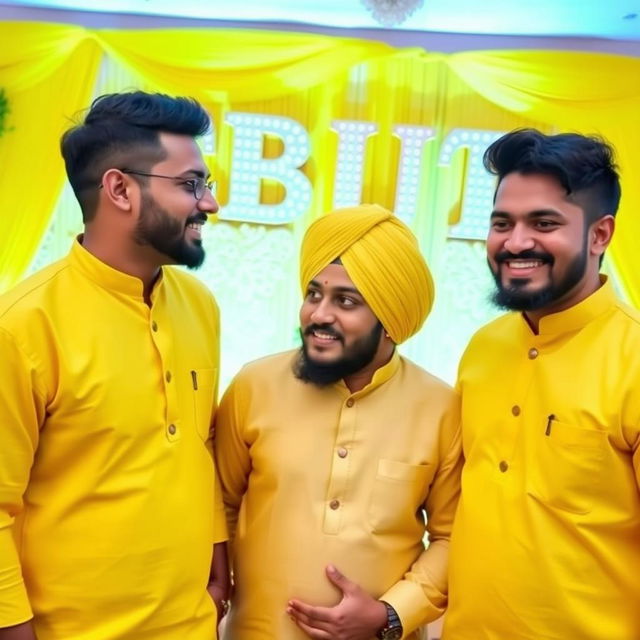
{"x": 341, "y": 336}
{"x": 541, "y": 251}
{"x": 171, "y": 218}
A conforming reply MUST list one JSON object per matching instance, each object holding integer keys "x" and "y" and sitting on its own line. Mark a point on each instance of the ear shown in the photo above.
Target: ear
{"x": 119, "y": 189}
{"x": 600, "y": 234}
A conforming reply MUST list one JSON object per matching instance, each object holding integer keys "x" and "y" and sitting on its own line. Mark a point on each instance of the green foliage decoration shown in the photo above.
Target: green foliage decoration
{"x": 4, "y": 110}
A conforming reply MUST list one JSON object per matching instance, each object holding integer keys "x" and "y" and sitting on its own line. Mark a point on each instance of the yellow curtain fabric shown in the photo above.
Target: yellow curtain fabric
{"x": 49, "y": 72}
{"x": 233, "y": 65}
{"x": 584, "y": 92}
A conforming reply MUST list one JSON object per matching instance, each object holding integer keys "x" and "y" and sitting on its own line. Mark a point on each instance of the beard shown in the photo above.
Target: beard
{"x": 157, "y": 228}
{"x": 515, "y": 297}
{"x": 354, "y": 358}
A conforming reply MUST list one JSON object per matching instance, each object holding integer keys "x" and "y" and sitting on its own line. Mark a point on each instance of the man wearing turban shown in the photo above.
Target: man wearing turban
{"x": 333, "y": 457}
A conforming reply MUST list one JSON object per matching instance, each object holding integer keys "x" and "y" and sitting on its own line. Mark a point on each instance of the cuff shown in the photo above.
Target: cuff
{"x": 411, "y": 605}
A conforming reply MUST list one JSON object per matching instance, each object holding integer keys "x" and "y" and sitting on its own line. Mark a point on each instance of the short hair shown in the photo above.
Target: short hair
{"x": 583, "y": 165}
{"x": 122, "y": 130}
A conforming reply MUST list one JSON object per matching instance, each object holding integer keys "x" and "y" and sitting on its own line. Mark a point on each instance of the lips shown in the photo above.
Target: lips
{"x": 523, "y": 264}
{"x": 524, "y": 260}
{"x": 324, "y": 334}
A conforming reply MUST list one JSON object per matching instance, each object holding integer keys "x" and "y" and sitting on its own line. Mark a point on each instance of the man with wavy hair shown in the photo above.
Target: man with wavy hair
{"x": 109, "y": 528}
{"x": 332, "y": 457}
{"x": 546, "y": 543}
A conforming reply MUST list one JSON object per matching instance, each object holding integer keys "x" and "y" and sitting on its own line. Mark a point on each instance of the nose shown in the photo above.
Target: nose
{"x": 519, "y": 239}
{"x": 208, "y": 203}
{"x": 323, "y": 313}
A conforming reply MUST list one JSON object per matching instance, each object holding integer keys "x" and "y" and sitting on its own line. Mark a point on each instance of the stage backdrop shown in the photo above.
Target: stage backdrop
{"x": 301, "y": 124}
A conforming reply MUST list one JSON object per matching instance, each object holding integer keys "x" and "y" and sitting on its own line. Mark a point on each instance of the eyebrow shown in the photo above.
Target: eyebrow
{"x": 537, "y": 213}
{"x": 316, "y": 284}
{"x": 195, "y": 172}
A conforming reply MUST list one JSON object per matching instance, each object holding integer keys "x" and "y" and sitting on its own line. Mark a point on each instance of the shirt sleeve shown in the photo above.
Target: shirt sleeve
{"x": 231, "y": 452}
{"x": 635, "y": 447}
{"x": 22, "y": 409}
{"x": 220, "y": 532}
{"x": 421, "y": 596}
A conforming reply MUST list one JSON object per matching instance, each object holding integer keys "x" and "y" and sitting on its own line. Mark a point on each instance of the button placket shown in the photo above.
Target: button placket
{"x": 338, "y": 485}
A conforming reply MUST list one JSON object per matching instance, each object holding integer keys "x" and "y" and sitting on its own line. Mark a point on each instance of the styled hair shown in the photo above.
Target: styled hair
{"x": 583, "y": 165}
{"x": 121, "y": 130}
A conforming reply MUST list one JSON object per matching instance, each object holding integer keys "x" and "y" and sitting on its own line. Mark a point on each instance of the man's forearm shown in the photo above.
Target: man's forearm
{"x": 220, "y": 567}
{"x": 22, "y": 631}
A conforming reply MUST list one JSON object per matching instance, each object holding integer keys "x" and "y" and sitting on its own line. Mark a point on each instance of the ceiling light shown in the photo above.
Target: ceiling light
{"x": 390, "y": 13}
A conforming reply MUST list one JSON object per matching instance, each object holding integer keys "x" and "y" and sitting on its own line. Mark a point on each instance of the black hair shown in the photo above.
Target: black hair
{"x": 583, "y": 165}
{"x": 121, "y": 129}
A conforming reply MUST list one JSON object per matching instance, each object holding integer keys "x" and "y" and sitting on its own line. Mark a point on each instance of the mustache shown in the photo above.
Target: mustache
{"x": 324, "y": 328}
{"x": 529, "y": 254}
{"x": 198, "y": 217}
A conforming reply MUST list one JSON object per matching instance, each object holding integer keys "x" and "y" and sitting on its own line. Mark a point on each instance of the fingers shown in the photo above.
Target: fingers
{"x": 308, "y": 614}
{"x": 342, "y": 582}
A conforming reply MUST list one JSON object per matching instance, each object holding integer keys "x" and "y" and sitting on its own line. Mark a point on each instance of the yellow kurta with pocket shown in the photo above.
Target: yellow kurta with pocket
{"x": 546, "y": 543}
{"x": 313, "y": 476}
{"x": 107, "y": 484}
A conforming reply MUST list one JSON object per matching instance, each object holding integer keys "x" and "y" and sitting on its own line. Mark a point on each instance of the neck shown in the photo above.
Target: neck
{"x": 359, "y": 380}
{"x": 579, "y": 293}
{"x": 123, "y": 256}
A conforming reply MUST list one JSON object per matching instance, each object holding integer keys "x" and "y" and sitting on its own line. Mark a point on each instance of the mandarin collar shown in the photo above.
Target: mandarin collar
{"x": 381, "y": 375}
{"x": 104, "y": 275}
{"x": 578, "y": 316}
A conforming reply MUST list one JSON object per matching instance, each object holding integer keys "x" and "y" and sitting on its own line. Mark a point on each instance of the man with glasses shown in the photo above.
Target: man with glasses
{"x": 111, "y": 525}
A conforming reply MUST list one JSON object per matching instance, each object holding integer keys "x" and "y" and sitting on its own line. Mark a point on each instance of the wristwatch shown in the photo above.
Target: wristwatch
{"x": 393, "y": 629}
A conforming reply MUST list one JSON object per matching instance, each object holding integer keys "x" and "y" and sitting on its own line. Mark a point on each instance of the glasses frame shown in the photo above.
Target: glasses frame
{"x": 198, "y": 185}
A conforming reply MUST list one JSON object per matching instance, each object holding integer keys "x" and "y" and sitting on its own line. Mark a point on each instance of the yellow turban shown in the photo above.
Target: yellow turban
{"x": 381, "y": 256}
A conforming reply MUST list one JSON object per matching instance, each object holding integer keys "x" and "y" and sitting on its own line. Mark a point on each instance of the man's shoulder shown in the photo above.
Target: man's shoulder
{"x": 628, "y": 315}
{"x": 424, "y": 378}
{"x": 498, "y": 329}
{"x": 269, "y": 367}
{"x": 30, "y": 295}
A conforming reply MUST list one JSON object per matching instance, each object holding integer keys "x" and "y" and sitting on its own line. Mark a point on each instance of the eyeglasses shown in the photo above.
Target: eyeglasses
{"x": 197, "y": 185}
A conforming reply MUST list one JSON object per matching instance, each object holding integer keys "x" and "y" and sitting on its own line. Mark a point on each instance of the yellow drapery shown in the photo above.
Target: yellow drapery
{"x": 48, "y": 72}
{"x": 585, "y": 92}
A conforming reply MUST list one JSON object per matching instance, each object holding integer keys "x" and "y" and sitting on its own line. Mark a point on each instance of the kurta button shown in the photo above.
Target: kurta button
{"x": 533, "y": 353}
{"x": 342, "y": 452}
{"x": 350, "y": 402}
{"x": 168, "y": 376}
{"x": 172, "y": 429}
{"x": 154, "y": 326}
{"x": 503, "y": 466}
{"x": 515, "y": 410}
{"x": 334, "y": 504}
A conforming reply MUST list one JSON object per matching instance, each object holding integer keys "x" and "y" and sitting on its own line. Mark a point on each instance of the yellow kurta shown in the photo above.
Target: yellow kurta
{"x": 320, "y": 475}
{"x": 106, "y": 477}
{"x": 546, "y": 544}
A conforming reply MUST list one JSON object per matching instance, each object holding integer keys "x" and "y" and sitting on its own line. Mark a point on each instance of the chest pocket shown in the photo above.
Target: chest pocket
{"x": 398, "y": 494}
{"x": 204, "y": 385}
{"x": 567, "y": 470}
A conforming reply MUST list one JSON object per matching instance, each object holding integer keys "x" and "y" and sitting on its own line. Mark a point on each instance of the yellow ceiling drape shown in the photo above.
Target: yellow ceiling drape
{"x": 583, "y": 92}
{"x": 49, "y": 72}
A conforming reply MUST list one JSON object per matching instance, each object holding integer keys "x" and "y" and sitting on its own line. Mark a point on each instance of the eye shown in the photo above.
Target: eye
{"x": 499, "y": 225}
{"x": 313, "y": 295}
{"x": 347, "y": 302}
{"x": 546, "y": 225}
{"x": 190, "y": 185}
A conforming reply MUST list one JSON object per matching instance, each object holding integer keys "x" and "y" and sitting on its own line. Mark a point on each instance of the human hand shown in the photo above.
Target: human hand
{"x": 358, "y": 616}
{"x": 219, "y": 594}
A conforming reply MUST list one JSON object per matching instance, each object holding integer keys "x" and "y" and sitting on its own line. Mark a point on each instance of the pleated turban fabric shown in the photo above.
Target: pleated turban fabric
{"x": 381, "y": 256}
